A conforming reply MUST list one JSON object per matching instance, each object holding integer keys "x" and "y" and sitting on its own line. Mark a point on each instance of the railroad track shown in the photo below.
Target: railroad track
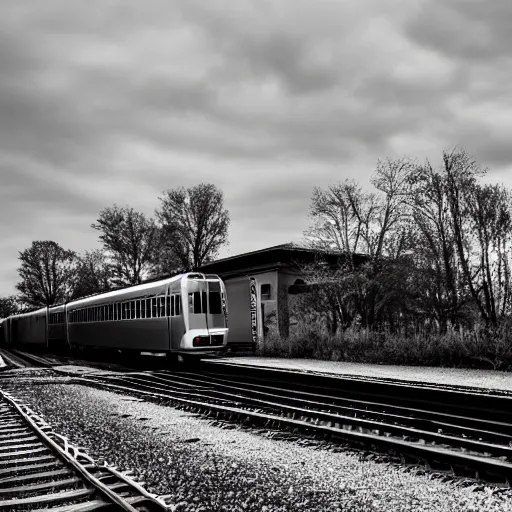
{"x": 40, "y": 470}
{"x": 472, "y": 446}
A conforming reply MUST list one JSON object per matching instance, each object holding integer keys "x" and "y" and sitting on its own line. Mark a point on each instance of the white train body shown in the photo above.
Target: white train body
{"x": 185, "y": 314}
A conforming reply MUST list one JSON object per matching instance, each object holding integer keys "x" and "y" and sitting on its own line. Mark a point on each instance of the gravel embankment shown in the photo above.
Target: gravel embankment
{"x": 458, "y": 377}
{"x": 204, "y": 467}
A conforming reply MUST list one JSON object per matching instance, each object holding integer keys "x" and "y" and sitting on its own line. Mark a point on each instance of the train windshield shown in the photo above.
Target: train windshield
{"x": 205, "y": 307}
{"x": 204, "y": 297}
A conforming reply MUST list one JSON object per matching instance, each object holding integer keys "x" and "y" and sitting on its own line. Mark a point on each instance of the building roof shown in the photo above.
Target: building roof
{"x": 271, "y": 258}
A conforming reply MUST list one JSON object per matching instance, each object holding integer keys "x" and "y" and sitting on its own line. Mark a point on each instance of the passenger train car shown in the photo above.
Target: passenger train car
{"x": 185, "y": 314}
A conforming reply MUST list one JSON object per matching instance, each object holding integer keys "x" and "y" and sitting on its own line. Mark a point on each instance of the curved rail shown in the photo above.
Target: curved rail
{"x": 35, "y": 462}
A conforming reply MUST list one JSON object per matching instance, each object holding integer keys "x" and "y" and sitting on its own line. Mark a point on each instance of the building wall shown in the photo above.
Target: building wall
{"x": 239, "y": 306}
{"x": 273, "y": 309}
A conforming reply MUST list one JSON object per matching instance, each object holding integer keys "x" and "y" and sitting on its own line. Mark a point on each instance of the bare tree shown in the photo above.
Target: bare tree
{"x": 194, "y": 224}
{"x": 351, "y": 221}
{"x": 132, "y": 242}
{"x": 93, "y": 274}
{"x": 46, "y": 273}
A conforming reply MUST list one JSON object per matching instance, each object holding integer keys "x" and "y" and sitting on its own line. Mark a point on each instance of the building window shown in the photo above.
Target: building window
{"x": 266, "y": 292}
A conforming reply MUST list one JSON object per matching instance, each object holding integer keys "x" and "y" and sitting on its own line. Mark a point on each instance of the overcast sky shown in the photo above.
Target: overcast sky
{"x": 107, "y": 101}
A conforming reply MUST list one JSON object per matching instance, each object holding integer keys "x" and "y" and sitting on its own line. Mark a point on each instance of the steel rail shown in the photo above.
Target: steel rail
{"x": 302, "y": 399}
{"x": 63, "y": 453}
{"x": 478, "y": 462}
{"x": 331, "y": 417}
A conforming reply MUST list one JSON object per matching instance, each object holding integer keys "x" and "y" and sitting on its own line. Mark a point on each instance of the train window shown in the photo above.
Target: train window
{"x": 161, "y": 300}
{"x": 215, "y": 303}
{"x": 137, "y": 309}
{"x": 168, "y": 305}
{"x": 154, "y": 309}
{"x": 266, "y": 292}
{"x": 143, "y": 308}
{"x": 177, "y": 305}
{"x": 172, "y": 297}
{"x": 123, "y": 311}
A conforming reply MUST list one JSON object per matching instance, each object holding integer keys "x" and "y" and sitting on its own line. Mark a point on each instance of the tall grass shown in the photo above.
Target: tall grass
{"x": 477, "y": 348}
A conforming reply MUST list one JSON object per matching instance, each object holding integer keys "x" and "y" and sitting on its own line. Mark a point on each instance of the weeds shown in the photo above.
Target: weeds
{"x": 479, "y": 347}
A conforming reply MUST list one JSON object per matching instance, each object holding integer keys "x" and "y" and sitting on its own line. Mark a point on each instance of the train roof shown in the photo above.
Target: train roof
{"x": 133, "y": 291}
{"x": 40, "y": 311}
{"x": 144, "y": 289}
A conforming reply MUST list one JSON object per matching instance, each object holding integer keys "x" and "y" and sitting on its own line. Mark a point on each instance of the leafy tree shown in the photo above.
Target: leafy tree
{"x": 194, "y": 225}
{"x": 9, "y": 306}
{"x": 93, "y": 274}
{"x": 46, "y": 273}
{"x": 131, "y": 240}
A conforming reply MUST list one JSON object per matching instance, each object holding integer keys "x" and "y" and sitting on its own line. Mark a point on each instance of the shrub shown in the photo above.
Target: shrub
{"x": 479, "y": 347}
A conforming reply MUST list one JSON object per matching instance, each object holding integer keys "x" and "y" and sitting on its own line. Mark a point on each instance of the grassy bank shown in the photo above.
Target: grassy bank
{"x": 478, "y": 348}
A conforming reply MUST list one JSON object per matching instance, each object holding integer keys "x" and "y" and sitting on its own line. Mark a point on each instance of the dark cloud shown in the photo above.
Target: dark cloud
{"x": 472, "y": 30}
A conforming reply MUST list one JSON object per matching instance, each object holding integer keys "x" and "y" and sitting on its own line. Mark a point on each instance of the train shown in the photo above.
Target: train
{"x": 184, "y": 315}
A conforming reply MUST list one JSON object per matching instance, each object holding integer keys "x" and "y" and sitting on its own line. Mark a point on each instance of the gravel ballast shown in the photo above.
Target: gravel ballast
{"x": 205, "y": 467}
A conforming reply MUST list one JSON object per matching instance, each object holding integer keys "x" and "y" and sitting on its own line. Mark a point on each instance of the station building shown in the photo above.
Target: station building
{"x": 259, "y": 285}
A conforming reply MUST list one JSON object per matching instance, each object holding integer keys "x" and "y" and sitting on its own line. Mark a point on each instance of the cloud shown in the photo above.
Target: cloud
{"x": 110, "y": 102}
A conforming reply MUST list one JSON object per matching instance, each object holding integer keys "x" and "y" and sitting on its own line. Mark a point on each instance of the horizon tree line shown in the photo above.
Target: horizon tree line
{"x": 437, "y": 242}
{"x": 189, "y": 228}
{"x": 438, "y": 246}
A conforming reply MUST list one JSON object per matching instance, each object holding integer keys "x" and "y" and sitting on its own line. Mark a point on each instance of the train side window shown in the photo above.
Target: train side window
{"x": 123, "y": 310}
{"x": 162, "y": 306}
{"x": 167, "y": 305}
{"x": 266, "y": 292}
{"x": 178, "y": 305}
{"x": 143, "y": 308}
{"x": 154, "y": 309}
{"x": 137, "y": 309}
{"x": 172, "y": 297}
